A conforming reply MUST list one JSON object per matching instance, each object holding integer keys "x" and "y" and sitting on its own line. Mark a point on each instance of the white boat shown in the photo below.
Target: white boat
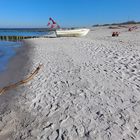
{"x": 67, "y": 32}
{"x": 72, "y": 32}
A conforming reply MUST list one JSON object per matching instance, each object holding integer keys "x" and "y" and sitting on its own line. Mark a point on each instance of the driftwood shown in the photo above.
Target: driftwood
{"x": 12, "y": 86}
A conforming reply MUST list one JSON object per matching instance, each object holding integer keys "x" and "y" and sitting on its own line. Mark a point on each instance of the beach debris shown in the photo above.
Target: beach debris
{"x": 123, "y": 26}
{"x": 115, "y": 34}
{"x": 132, "y": 28}
{"x": 30, "y": 77}
{"x": 113, "y": 27}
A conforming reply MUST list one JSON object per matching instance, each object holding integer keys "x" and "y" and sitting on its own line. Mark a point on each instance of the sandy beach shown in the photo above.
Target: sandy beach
{"x": 87, "y": 89}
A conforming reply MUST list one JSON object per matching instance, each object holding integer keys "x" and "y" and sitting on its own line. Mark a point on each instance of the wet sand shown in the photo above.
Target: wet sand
{"x": 14, "y": 73}
{"x": 14, "y": 68}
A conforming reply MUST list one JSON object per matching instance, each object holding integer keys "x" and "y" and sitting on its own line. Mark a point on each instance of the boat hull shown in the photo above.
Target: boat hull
{"x": 72, "y": 33}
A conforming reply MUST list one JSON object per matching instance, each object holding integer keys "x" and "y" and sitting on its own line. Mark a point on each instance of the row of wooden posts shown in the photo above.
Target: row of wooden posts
{"x": 15, "y": 38}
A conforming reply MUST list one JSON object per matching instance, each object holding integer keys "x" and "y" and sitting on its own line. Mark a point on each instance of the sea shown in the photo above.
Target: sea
{"x": 8, "y": 48}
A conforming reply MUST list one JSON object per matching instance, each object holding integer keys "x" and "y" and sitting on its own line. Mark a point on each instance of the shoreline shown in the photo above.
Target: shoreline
{"x": 14, "y": 66}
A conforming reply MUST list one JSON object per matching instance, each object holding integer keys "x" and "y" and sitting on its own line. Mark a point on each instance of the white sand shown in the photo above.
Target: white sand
{"x": 88, "y": 89}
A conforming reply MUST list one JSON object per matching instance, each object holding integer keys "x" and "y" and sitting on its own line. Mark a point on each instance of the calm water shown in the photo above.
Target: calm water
{"x": 8, "y": 48}
{"x": 21, "y": 33}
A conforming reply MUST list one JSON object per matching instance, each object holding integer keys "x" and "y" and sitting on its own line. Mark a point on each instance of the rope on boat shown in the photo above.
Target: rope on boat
{"x": 12, "y": 86}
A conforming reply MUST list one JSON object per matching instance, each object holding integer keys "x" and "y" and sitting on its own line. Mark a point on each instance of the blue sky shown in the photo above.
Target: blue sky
{"x": 35, "y": 13}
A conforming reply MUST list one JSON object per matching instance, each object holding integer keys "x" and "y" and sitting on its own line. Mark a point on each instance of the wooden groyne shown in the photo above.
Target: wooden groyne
{"x": 16, "y": 38}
